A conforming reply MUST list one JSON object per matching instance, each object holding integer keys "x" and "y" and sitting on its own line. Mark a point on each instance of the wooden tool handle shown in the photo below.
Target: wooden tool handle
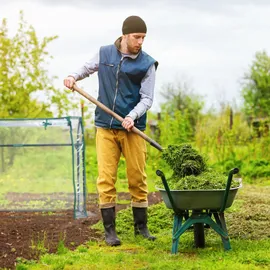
{"x": 116, "y": 116}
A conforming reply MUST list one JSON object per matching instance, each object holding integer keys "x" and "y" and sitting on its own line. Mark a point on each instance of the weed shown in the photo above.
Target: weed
{"x": 61, "y": 249}
{"x": 38, "y": 245}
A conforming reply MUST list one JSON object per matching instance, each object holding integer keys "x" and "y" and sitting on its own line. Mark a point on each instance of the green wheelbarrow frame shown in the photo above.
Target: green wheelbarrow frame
{"x": 203, "y": 205}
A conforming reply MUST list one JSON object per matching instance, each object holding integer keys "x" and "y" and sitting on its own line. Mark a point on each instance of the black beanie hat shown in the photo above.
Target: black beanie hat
{"x": 134, "y": 24}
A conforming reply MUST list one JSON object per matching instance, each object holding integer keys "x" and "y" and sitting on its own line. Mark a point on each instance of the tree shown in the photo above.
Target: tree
{"x": 180, "y": 98}
{"x": 26, "y": 89}
{"x": 256, "y": 88}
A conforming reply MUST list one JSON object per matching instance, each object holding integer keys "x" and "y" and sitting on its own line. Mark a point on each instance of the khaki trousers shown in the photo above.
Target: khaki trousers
{"x": 110, "y": 143}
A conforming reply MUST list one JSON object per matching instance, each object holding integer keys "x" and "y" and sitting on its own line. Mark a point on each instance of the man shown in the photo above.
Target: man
{"x": 126, "y": 84}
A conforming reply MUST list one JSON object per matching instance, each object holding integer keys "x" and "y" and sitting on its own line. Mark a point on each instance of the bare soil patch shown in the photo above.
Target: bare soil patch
{"x": 21, "y": 233}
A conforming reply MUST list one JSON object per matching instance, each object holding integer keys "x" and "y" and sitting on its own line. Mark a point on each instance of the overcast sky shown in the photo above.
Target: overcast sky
{"x": 208, "y": 43}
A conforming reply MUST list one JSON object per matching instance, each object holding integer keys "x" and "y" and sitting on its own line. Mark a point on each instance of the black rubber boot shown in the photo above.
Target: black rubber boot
{"x": 140, "y": 223}
{"x": 108, "y": 216}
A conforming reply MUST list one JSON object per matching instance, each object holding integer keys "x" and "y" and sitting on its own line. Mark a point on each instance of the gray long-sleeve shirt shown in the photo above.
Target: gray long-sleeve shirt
{"x": 147, "y": 84}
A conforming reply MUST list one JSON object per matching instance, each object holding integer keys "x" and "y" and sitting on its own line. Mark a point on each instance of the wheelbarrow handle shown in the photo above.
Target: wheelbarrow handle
{"x": 228, "y": 186}
{"x": 116, "y": 116}
{"x": 166, "y": 186}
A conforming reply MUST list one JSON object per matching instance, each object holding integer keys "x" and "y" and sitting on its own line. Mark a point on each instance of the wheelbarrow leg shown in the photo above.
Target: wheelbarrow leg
{"x": 184, "y": 227}
{"x": 220, "y": 220}
{"x": 177, "y": 223}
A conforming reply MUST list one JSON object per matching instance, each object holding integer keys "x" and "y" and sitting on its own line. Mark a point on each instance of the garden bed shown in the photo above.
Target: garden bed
{"x": 29, "y": 234}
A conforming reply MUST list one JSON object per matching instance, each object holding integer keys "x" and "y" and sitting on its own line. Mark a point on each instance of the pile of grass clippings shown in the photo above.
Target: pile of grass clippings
{"x": 190, "y": 171}
{"x": 184, "y": 160}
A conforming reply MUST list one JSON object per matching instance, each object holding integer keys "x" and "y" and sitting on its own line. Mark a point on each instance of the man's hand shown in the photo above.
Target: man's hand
{"x": 69, "y": 82}
{"x": 128, "y": 123}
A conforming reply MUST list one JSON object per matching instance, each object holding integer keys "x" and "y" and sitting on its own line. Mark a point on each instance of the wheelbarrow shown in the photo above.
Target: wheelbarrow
{"x": 199, "y": 209}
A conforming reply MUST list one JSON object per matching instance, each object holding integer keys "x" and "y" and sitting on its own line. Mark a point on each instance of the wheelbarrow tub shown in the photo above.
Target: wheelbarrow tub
{"x": 199, "y": 199}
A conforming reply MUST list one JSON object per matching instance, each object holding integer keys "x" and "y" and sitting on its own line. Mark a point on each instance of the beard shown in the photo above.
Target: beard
{"x": 133, "y": 49}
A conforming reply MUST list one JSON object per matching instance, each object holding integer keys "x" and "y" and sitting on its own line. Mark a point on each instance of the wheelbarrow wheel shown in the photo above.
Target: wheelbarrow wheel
{"x": 199, "y": 238}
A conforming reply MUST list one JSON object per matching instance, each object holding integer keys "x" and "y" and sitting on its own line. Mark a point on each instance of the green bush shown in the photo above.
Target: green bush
{"x": 257, "y": 168}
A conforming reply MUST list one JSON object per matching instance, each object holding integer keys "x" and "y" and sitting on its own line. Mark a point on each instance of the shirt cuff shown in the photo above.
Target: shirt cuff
{"x": 75, "y": 76}
{"x": 133, "y": 115}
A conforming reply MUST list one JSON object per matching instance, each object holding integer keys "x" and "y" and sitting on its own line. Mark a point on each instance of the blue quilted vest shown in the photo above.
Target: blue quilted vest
{"x": 119, "y": 85}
